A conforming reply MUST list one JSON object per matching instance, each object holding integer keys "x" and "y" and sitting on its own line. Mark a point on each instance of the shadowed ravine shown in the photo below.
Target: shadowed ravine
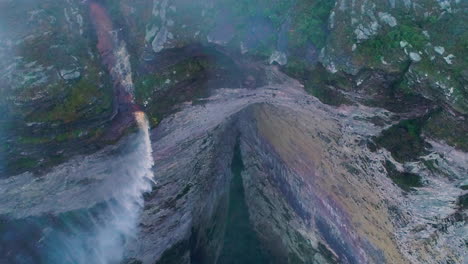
{"x": 240, "y": 244}
{"x": 233, "y": 132}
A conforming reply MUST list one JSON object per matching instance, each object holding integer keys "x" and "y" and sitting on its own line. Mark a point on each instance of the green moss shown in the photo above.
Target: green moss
{"x": 274, "y": 10}
{"x": 147, "y": 85}
{"x": 404, "y": 87}
{"x": 405, "y": 180}
{"x": 387, "y": 43}
{"x": 74, "y": 134}
{"x": 297, "y": 69}
{"x": 309, "y": 22}
{"x": 444, "y": 126}
{"x": 71, "y": 135}
{"x": 28, "y": 140}
{"x": 463, "y": 201}
{"x": 403, "y": 140}
{"x": 318, "y": 82}
{"x": 84, "y": 98}
{"x": 182, "y": 82}
{"x": 22, "y": 164}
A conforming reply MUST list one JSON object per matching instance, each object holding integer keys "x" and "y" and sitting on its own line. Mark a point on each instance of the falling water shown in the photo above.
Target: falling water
{"x": 106, "y": 231}
{"x": 131, "y": 171}
{"x": 84, "y": 211}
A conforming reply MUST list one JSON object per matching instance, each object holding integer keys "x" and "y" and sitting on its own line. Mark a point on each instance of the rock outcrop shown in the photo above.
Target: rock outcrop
{"x": 376, "y": 51}
{"x": 246, "y": 159}
{"x": 310, "y": 186}
{"x": 313, "y": 190}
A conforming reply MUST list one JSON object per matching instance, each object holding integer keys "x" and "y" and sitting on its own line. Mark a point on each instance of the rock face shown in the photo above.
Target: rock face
{"x": 313, "y": 190}
{"x": 55, "y": 93}
{"x": 377, "y": 51}
{"x": 310, "y": 187}
{"x": 388, "y": 35}
{"x": 249, "y": 166}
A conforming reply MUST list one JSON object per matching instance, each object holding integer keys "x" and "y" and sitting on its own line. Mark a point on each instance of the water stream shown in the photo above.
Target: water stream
{"x": 83, "y": 211}
{"x": 102, "y": 236}
{"x": 86, "y": 210}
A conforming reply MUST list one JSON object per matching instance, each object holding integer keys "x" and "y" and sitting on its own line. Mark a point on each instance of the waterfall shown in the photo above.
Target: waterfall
{"x": 98, "y": 235}
{"x": 131, "y": 171}
{"x": 135, "y": 177}
{"x": 86, "y": 210}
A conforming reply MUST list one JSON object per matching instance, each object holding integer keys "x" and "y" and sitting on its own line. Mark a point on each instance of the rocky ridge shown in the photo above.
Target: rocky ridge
{"x": 383, "y": 169}
{"x": 331, "y": 186}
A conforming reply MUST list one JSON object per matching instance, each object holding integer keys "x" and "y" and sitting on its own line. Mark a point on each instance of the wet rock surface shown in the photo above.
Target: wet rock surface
{"x": 365, "y": 47}
{"x": 362, "y": 159}
{"x": 314, "y": 192}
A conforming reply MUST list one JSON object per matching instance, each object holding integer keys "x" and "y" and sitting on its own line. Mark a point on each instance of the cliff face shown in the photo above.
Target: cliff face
{"x": 313, "y": 191}
{"x": 417, "y": 40}
{"x": 273, "y": 168}
{"x": 55, "y": 93}
{"x": 249, "y": 166}
{"x": 59, "y": 93}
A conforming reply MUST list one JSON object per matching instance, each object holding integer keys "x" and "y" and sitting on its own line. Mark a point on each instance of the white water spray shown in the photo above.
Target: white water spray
{"x": 107, "y": 229}
{"x": 84, "y": 211}
{"x": 135, "y": 177}
{"x": 95, "y": 201}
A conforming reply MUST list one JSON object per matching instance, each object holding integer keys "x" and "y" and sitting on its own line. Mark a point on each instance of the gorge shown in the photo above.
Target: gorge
{"x": 224, "y": 132}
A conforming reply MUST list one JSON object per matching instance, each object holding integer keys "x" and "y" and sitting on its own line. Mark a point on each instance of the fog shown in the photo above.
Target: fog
{"x": 83, "y": 211}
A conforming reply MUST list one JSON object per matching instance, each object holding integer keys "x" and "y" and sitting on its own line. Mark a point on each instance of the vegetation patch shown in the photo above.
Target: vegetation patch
{"x": 23, "y": 163}
{"x": 405, "y": 180}
{"x": 388, "y": 43}
{"x": 318, "y": 82}
{"x": 84, "y": 99}
{"x": 310, "y": 22}
{"x": 274, "y": 10}
{"x": 159, "y": 92}
{"x": 444, "y": 126}
{"x": 463, "y": 201}
{"x": 403, "y": 140}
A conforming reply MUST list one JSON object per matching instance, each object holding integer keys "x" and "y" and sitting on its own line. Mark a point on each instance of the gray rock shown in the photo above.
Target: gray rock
{"x": 414, "y": 56}
{"x": 160, "y": 39}
{"x": 388, "y": 19}
{"x": 278, "y": 57}
{"x": 70, "y": 74}
{"x": 439, "y": 50}
{"x": 365, "y": 32}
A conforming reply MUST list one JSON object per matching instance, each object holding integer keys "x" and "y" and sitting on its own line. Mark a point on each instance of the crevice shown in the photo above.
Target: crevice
{"x": 241, "y": 244}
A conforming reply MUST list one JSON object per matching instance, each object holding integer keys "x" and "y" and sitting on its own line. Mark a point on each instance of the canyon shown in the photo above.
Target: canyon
{"x": 173, "y": 131}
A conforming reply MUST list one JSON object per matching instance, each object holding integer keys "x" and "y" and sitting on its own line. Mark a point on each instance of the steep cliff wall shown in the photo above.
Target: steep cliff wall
{"x": 243, "y": 155}
{"x": 393, "y": 54}
{"x": 315, "y": 192}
